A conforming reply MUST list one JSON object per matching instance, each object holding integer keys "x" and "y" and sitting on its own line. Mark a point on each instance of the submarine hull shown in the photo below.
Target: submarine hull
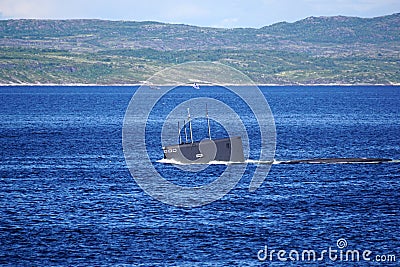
{"x": 224, "y": 149}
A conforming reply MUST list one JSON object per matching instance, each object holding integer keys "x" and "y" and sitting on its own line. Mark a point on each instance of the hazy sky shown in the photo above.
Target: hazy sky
{"x": 215, "y": 13}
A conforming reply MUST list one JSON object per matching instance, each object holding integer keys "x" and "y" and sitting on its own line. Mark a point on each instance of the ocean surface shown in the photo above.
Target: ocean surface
{"x": 67, "y": 197}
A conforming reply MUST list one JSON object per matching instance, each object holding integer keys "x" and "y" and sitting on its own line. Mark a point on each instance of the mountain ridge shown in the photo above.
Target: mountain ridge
{"x": 324, "y": 26}
{"x": 315, "y": 50}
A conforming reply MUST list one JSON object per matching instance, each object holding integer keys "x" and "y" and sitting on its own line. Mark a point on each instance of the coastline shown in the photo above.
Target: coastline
{"x": 204, "y": 85}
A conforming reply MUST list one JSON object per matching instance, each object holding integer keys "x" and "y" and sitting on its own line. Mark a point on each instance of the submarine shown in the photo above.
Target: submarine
{"x": 229, "y": 149}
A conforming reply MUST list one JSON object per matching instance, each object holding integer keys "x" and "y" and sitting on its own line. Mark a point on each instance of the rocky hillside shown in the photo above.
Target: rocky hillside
{"x": 316, "y": 50}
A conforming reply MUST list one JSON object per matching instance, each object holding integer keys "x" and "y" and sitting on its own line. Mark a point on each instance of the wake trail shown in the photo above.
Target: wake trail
{"x": 296, "y": 161}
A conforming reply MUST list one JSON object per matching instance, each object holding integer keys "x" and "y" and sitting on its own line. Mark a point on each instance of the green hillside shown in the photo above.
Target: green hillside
{"x": 316, "y": 50}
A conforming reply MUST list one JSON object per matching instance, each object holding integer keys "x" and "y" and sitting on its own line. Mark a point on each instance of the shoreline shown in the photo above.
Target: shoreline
{"x": 205, "y": 85}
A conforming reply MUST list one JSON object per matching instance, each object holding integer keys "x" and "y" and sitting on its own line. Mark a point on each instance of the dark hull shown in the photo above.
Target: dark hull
{"x": 337, "y": 160}
{"x": 225, "y": 149}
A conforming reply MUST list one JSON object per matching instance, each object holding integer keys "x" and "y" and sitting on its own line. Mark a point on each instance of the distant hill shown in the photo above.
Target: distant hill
{"x": 340, "y": 29}
{"x": 315, "y": 50}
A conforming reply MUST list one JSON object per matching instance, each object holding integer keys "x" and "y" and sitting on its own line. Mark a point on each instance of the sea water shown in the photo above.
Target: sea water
{"x": 67, "y": 197}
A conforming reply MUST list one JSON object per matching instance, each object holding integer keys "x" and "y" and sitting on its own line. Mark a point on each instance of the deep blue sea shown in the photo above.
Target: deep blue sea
{"x": 67, "y": 197}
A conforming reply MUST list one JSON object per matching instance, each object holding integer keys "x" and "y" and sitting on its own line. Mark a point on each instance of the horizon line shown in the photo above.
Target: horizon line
{"x": 187, "y": 24}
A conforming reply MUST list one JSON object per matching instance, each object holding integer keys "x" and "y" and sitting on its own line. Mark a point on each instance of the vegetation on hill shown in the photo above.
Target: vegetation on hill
{"x": 316, "y": 50}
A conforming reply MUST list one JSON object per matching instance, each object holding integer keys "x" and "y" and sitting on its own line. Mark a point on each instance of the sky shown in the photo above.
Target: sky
{"x": 212, "y": 13}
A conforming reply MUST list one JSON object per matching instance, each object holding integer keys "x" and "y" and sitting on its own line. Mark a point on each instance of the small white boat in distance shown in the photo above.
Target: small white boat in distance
{"x": 196, "y": 86}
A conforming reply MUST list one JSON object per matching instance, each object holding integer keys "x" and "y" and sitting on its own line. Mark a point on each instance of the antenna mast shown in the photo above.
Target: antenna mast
{"x": 208, "y": 123}
{"x": 179, "y": 134}
{"x": 184, "y": 125}
{"x": 190, "y": 126}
